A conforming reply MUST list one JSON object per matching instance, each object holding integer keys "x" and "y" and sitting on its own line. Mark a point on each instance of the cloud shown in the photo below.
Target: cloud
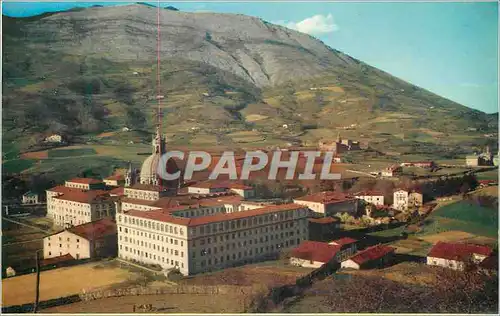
{"x": 316, "y": 25}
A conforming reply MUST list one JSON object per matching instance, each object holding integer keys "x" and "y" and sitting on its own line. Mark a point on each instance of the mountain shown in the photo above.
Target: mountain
{"x": 226, "y": 79}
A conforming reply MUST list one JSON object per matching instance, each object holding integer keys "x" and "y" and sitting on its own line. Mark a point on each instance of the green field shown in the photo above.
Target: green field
{"x": 488, "y": 175}
{"x": 463, "y": 216}
{"x": 58, "y": 153}
{"x": 17, "y": 166}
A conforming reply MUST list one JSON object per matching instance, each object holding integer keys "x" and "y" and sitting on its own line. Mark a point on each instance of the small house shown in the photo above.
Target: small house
{"x": 456, "y": 255}
{"x": 313, "y": 254}
{"x": 348, "y": 247}
{"x": 30, "y": 198}
{"x": 371, "y": 257}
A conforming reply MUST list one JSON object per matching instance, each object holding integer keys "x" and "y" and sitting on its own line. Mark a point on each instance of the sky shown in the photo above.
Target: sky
{"x": 448, "y": 48}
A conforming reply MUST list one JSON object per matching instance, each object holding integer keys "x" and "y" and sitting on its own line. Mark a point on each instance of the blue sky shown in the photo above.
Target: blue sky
{"x": 448, "y": 48}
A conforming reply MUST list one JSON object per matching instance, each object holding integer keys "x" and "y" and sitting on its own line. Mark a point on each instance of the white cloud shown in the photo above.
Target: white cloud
{"x": 315, "y": 25}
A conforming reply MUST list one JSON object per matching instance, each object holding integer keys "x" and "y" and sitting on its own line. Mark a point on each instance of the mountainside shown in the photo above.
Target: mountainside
{"x": 227, "y": 79}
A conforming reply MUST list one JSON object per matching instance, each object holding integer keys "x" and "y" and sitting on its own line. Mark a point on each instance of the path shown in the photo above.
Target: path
{"x": 23, "y": 224}
{"x": 361, "y": 172}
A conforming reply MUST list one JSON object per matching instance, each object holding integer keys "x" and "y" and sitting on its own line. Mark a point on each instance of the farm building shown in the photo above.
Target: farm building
{"x": 456, "y": 255}
{"x": 90, "y": 240}
{"x": 375, "y": 256}
{"x": 313, "y": 254}
{"x": 329, "y": 203}
{"x": 392, "y": 171}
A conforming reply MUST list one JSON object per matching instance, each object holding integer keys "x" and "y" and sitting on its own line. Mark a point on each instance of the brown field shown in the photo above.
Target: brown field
{"x": 406, "y": 272}
{"x": 44, "y": 154}
{"x": 250, "y": 275}
{"x": 61, "y": 282}
{"x": 168, "y": 303}
{"x": 453, "y": 235}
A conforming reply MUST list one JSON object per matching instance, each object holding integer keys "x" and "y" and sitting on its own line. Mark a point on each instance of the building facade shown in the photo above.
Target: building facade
{"x": 456, "y": 255}
{"x": 400, "y": 200}
{"x": 371, "y": 197}
{"x": 30, "y": 198}
{"x": 69, "y": 206}
{"x": 203, "y": 238}
{"x": 329, "y": 203}
{"x": 90, "y": 240}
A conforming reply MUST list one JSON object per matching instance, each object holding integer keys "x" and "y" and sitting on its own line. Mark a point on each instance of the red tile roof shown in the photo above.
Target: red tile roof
{"x": 83, "y": 196}
{"x": 315, "y": 251}
{"x": 115, "y": 177}
{"x": 165, "y": 215}
{"x": 63, "y": 189}
{"x": 344, "y": 241}
{"x": 487, "y": 181}
{"x": 326, "y": 197}
{"x": 85, "y": 180}
{"x": 54, "y": 260}
{"x": 120, "y": 191}
{"x": 95, "y": 230}
{"x": 323, "y": 220}
{"x": 371, "y": 253}
{"x": 457, "y": 251}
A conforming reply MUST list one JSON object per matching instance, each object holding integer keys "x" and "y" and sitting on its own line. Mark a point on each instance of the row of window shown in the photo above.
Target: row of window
{"x": 151, "y": 225}
{"x": 152, "y": 257}
{"x": 60, "y": 254}
{"x": 277, "y": 246}
{"x": 239, "y": 235}
{"x": 246, "y": 253}
{"x": 150, "y": 236}
{"x": 152, "y": 246}
{"x": 245, "y": 223}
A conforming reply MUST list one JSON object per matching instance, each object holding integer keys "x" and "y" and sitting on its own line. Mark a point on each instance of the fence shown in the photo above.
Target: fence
{"x": 135, "y": 291}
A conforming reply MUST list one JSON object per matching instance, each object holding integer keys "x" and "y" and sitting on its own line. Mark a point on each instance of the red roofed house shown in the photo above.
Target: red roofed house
{"x": 392, "y": 171}
{"x": 115, "y": 181}
{"x": 348, "y": 247}
{"x": 313, "y": 254}
{"x": 329, "y": 203}
{"x": 85, "y": 183}
{"x": 455, "y": 255}
{"x": 375, "y": 256}
{"x": 94, "y": 239}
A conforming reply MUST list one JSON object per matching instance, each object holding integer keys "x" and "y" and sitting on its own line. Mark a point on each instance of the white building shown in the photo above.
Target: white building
{"x": 455, "y": 255}
{"x": 371, "y": 257}
{"x": 94, "y": 239}
{"x": 329, "y": 203}
{"x": 313, "y": 254}
{"x": 70, "y": 206}
{"x": 400, "y": 200}
{"x": 210, "y": 235}
{"x": 371, "y": 197}
{"x": 30, "y": 198}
